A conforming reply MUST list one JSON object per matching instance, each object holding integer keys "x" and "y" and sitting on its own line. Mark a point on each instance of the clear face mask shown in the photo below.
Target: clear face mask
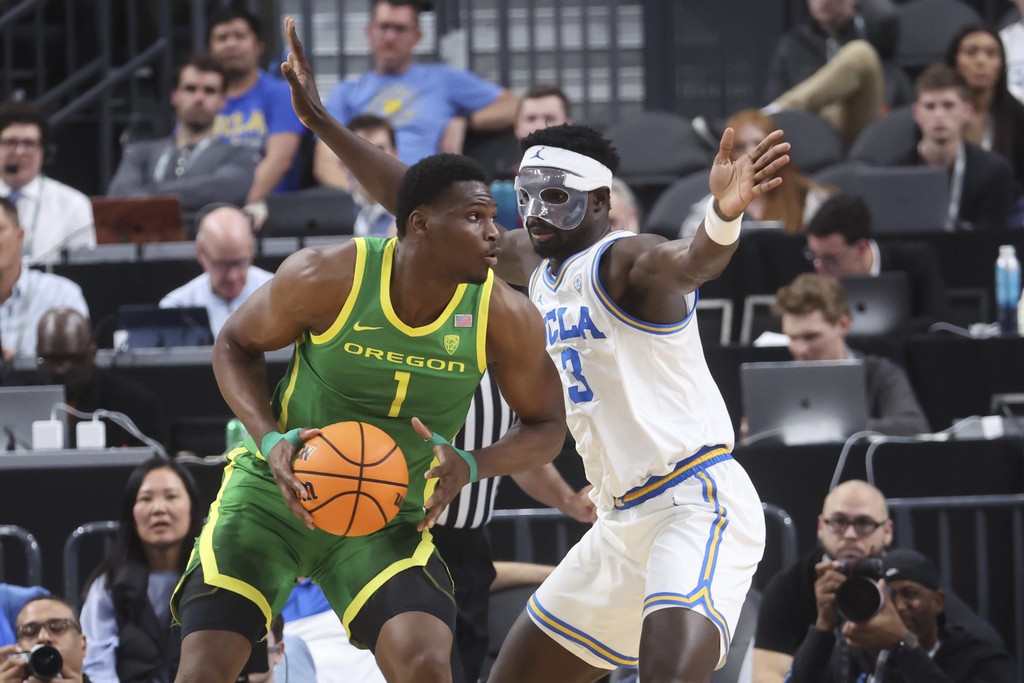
{"x": 547, "y": 194}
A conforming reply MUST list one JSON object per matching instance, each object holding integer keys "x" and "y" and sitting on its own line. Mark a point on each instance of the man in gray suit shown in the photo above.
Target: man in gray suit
{"x": 193, "y": 163}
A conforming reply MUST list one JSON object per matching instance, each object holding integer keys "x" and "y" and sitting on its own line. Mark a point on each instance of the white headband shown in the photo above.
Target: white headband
{"x": 590, "y": 174}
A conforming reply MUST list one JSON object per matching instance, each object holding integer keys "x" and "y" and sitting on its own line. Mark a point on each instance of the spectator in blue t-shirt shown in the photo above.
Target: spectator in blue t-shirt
{"x": 257, "y": 109}
{"x": 430, "y": 106}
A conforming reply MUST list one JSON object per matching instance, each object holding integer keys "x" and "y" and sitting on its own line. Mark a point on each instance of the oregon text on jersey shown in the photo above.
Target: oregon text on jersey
{"x": 399, "y": 358}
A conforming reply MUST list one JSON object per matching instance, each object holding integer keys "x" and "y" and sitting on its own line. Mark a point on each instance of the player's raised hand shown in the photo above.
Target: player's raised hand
{"x": 736, "y": 183}
{"x": 451, "y": 472}
{"x": 280, "y": 460}
{"x": 297, "y": 71}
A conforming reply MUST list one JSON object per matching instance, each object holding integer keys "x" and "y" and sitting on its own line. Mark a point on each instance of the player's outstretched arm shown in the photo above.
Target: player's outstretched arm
{"x": 676, "y": 266}
{"x": 378, "y": 172}
{"x": 275, "y": 316}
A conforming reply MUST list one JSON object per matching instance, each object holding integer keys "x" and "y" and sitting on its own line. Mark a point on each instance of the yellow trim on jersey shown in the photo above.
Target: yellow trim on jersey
{"x": 385, "y": 298}
{"x": 282, "y": 421}
{"x": 716, "y": 536}
{"x": 208, "y": 559}
{"x": 419, "y": 559}
{"x": 350, "y": 302}
{"x": 633, "y": 495}
{"x": 481, "y": 322}
{"x": 578, "y": 636}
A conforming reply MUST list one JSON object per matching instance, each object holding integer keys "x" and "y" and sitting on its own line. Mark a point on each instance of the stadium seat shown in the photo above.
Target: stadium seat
{"x": 316, "y": 211}
{"x": 505, "y": 607}
{"x": 887, "y": 138}
{"x": 816, "y": 145}
{"x": 656, "y": 148}
{"x": 714, "y": 317}
{"x": 496, "y": 151}
{"x": 927, "y": 27}
{"x": 673, "y": 206}
{"x": 758, "y": 317}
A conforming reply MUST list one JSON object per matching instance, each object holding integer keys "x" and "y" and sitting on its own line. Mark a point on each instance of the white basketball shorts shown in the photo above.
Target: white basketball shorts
{"x": 690, "y": 539}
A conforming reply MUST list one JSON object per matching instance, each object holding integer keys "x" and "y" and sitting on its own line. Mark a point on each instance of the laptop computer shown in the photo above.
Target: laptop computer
{"x": 20, "y": 407}
{"x": 879, "y": 305}
{"x": 903, "y": 199}
{"x": 801, "y": 402}
{"x": 137, "y": 219}
{"x": 149, "y": 326}
{"x": 316, "y": 211}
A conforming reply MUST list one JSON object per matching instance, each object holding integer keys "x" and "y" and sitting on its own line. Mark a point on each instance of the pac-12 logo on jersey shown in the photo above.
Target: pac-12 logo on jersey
{"x": 577, "y": 282}
{"x": 560, "y": 327}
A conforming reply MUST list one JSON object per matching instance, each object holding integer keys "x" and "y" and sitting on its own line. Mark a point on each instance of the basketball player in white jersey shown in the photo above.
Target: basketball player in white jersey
{"x": 660, "y": 578}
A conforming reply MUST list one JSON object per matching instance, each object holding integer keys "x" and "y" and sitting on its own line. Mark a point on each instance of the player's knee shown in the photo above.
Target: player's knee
{"x": 672, "y": 670}
{"x": 428, "y": 666}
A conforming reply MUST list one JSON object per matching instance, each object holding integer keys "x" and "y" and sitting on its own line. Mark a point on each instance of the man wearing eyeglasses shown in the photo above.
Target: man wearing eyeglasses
{"x": 224, "y": 248}
{"x": 54, "y": 215}
{"x": 430, "y": 106}
{"x": 45, "y": 621}
{"x": 839, "y": 243}
{"x": 854, "y": 523}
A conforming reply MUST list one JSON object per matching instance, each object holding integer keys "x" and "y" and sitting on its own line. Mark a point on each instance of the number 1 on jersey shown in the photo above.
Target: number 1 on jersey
{"x": 403, "y": 388}
{"x": 571, "y": 357}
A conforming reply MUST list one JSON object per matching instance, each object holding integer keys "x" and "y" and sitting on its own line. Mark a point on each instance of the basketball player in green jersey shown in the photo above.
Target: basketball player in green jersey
{"x": 385, "y": 332}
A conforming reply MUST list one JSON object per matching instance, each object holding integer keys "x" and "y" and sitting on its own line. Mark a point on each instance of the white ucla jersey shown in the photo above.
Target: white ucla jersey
{"x": 638, "y": 396}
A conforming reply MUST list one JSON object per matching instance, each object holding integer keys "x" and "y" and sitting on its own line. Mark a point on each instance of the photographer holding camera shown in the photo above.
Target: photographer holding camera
{"x": 50, "y": 644}
{"x": 892, "y": 629}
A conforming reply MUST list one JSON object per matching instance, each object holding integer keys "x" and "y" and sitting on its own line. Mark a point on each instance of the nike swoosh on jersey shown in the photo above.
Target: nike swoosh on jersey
{"x": 359, "y": 328}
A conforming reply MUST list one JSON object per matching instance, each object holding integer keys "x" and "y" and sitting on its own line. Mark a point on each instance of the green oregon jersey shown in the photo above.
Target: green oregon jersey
{"x": 371, "y": 367}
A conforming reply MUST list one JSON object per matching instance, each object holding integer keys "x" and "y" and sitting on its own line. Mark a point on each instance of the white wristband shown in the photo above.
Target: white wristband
{"x": 719, "y": 230}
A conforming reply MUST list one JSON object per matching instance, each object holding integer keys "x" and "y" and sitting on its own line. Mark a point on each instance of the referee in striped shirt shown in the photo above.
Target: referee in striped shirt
{"x": 459, "y": 531}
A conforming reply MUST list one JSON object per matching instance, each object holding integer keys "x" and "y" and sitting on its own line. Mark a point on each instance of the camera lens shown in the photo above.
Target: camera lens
{"x": 45, "y": 662}
{"x": 859, "y": 599}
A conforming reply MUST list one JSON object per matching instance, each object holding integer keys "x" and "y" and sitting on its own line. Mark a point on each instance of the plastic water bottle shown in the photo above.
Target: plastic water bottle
{"x": 1008, "y": 288}
{"x": 504, "y": 192}
{"x": 235, "y": 433}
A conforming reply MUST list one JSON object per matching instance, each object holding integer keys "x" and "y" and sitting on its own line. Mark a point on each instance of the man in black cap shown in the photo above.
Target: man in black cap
{"x": 907, "y": 642}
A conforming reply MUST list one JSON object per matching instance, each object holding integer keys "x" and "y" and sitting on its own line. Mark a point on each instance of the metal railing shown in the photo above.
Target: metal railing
{"x": 522, "y": 523}
{"x": 902, "y": 509}
{"x": 71, "y": 546}
{"x": 33, "y": 555}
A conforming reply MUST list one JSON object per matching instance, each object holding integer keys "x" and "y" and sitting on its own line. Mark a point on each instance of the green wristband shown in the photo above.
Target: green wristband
{"x": 271, "y": 439}
{"x": 437, "y": 440}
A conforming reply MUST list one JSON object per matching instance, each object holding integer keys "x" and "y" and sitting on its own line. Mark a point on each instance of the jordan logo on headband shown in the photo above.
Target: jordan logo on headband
{"x": 536, "y": 155}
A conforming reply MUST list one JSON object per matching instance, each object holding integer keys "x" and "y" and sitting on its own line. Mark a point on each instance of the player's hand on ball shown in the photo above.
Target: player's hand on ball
{"x": 280, "y": 460}
{"x": 299, "y": 74}
{"x": 451, "y": 472}
{"x": 736, "y": 183}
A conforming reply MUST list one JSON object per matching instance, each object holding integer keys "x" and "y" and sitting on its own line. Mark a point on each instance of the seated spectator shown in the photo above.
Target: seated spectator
{"x": 1013, "y": 47}
{"x": 257, "y": 111}
{"x": 832, "y": 65}
{"x": 543, "y": 107}
{"x": 54, "y": 215}
{"x": 430, "y": 106}
{"x": 816, "y": 318}
{"x": 66, "y": 354}
{"x": 224, "y": 248}
{"x": 854, "y": 523}
{"x": 288, "y": 658}
{"x": 839, "y": 243}
{"x": 127, "y": 610}
{"x": 622, "y": 213}
{"x": 46, "y": 620}
{"x": 981, "y": 185}
{"x": 198, "y": 166}
{"x": 793, "y": 203}
{"x": 907, "y": 641}
{"x": 373, "y": 219}
{"x": 997, "y": 119}
{"x": 12, "y": 599}
{"x": 25, "y": 293}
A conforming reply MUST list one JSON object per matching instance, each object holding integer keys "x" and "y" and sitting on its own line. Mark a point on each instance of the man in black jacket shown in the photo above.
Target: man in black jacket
{"x": 906, "y": 642}
{"x": 839, "y": 243}
{"x": 981, "y": 183}
{"x": 45, "y": 620}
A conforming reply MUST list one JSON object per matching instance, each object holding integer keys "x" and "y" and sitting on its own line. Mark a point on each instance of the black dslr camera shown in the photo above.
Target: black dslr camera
{"x": 860, "y": 598}
{"x": 42, "y": 661}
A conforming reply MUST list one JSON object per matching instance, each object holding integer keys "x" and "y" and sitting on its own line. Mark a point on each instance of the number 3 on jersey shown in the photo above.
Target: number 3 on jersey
{"x": 571, "y": 362}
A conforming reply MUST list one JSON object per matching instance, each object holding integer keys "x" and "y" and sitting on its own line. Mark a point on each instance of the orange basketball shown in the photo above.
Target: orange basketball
{"x": 355, "y": 478}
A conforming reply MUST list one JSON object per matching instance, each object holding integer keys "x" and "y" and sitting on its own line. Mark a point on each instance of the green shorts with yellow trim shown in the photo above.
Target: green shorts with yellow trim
{"x": 253, "y": 545}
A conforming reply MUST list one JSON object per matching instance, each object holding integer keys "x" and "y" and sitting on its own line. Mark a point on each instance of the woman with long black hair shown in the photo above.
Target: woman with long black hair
{"x": 126, "y": 615}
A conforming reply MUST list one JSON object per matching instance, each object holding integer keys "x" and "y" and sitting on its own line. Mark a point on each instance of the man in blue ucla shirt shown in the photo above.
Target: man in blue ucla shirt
{"x": 430, "y": 106}
{"x": 257, "y": 110}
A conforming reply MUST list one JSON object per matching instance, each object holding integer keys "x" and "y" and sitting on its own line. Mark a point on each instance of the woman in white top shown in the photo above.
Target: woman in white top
{"x": 127, "y": 616}
{"x": 793, "y": 204}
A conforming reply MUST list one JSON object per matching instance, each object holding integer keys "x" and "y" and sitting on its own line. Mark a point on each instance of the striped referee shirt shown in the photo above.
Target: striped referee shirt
{"x": 488, "y": 419}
